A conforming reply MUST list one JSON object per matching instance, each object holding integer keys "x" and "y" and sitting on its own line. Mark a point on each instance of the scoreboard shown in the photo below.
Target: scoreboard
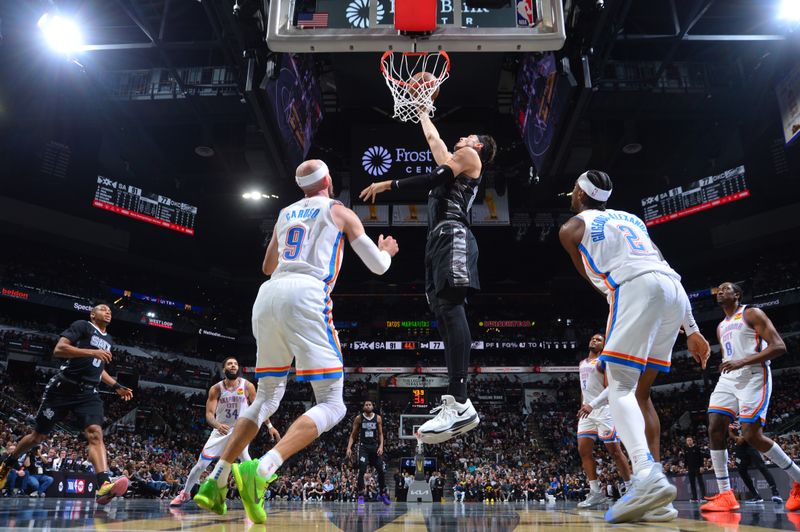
{"x": 416, "y": 400}
{"x": 130, "y": 201}
{"x": 700, "y": 195}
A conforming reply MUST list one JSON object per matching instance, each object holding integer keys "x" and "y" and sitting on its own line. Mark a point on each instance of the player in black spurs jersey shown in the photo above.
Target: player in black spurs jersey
{"x": 86, "y": 348}
{"x": 451, "y": 264}
{"x": 369, "y": 427}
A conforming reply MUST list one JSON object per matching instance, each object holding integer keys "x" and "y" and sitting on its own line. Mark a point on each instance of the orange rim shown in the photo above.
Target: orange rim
{"x": 388, "y": 75}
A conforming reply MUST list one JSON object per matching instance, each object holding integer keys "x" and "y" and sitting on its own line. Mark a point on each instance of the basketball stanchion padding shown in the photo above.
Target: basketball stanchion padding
{"x": 415, "y": 16}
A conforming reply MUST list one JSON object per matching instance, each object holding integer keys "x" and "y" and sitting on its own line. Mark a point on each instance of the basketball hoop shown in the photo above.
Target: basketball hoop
{"x": 414, "y": 79}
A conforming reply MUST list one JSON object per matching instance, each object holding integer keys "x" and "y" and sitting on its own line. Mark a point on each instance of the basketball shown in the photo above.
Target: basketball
{"x": 422, "y": 80}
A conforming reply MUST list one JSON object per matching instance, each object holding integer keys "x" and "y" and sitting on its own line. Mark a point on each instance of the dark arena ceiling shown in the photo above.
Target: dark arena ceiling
{"x": 691, "y": 82}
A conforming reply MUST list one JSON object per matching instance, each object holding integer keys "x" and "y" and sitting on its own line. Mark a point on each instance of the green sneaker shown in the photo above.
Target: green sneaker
{"x": 212, "y": 497}
{"x": 251, "y": 489}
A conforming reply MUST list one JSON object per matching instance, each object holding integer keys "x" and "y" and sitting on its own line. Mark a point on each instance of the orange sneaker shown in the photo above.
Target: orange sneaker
{"x": 794, "y": 498}
{"x": 724, "y": 502}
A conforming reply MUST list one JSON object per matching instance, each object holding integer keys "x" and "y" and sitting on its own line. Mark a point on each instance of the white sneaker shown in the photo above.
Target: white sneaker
{"x": 661, "y": 515}
{"x": 649, "y": 493}
{"x": 594, "y": 498}
{"x": 453, "y": 419}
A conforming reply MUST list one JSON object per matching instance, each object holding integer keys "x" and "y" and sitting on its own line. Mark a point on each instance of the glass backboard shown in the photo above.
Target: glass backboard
{"x": 304, "y": 26}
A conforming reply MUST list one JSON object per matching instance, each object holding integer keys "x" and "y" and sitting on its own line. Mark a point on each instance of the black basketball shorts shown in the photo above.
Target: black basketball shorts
{"x": 451, "y": 260}
{"x": 62, "y": 399}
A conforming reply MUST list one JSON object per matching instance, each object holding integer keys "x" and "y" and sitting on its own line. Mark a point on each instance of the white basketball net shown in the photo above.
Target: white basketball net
{"x": 413, "y": 95}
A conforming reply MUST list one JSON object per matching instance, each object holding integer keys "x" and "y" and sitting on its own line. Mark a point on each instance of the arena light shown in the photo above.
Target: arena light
{"x": 61, "y": 34}
{"x": 789, "y": 10}
{"x": 258, "y": 195}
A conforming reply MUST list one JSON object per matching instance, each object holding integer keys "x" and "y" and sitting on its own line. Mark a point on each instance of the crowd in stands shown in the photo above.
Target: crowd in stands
{"x": 524, "y": 448}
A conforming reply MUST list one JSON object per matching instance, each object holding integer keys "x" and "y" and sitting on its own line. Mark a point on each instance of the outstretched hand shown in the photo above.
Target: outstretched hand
{"x": 388, "y": 244}
{"x": 368, "y": 194}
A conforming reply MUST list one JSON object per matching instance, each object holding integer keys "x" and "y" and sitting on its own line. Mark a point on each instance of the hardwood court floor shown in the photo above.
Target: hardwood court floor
{"x": 144, "y": 514}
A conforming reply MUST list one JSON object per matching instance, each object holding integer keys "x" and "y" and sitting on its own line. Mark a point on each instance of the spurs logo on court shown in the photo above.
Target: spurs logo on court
{"x": 357, "y": 13}
{"x": 376, "y": 160}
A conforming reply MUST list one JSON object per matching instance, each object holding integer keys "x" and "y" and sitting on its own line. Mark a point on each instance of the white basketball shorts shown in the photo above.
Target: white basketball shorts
{"x": 213, "y": 448}
{"x": 744, "y": 393}
{"x": 292, "y": 319}
{"x": 645, "y": 316}
{"x": 598, "y": 425}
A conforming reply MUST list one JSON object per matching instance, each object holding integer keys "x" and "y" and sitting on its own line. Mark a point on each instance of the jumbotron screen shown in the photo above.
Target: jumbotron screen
{"x": 130, "y": 201}
{"x": 699, "y": 195}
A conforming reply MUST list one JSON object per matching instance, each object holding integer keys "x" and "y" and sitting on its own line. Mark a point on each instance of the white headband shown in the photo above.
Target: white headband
{"x": 304, "y": 181}
{"x": 591, "y": 189}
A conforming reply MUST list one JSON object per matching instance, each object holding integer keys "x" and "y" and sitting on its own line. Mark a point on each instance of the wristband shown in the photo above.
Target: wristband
{"x": 395, "y": 185}
{"x": 269, "y": 426}
{"x": 116, "y": 386}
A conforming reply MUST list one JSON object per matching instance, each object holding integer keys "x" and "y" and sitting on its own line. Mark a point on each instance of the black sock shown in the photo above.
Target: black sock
{"x": 457, "y": 341}
{"x": 103, "y": 477}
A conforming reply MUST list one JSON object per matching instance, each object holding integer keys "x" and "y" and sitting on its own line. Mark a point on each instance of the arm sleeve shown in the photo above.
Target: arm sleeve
{"x": 378, "y": 261}
{"x": 74, "y": 332}
{"x": 689, "y": 324}
{"x": 600, "y": 400}
{"x": 442, "y": 174}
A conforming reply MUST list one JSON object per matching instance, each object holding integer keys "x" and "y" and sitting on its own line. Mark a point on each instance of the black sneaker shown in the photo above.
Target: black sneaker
{"x": 754, "y": 500}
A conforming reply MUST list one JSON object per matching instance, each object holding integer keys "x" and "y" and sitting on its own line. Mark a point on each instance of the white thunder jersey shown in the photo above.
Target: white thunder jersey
{"x": 592, "y": 381}
{"x": 738, "y": 340}
{"x": 232, "y": 402}
{"x": 616, "y": 248}
{"x": 309, "y": 241}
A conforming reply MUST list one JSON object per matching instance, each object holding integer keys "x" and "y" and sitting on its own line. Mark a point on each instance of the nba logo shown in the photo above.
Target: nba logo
{"x": 525, "y": 14}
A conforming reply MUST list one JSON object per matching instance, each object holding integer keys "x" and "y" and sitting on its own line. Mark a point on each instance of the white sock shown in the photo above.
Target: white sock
{"x": 628, "y": 416}
{"x": 194, "y": 475}
{"x": 221, "y": 473}
{"x": 782, "y": 460}
{"x": 269, "y": 463}
{"x": 594, "y": 485}
{"x": 720, "y": 461}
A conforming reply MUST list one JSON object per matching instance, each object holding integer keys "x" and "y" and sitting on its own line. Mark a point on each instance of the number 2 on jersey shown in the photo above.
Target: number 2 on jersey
{"x": 632, "y": 238}
{"x": 294, "y": 241}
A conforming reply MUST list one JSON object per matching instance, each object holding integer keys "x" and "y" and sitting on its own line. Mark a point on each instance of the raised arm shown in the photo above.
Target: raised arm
{"x": 437, "y": 145}
{"x": 376, "y": 258}
{"x": 465, "y": 161}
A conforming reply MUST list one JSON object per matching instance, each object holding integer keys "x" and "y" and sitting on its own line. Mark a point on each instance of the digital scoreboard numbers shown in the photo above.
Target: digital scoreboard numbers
{"x": 419, "y": 399}
{"x": 130, "y": 201}
{"x": 698, "y": 196}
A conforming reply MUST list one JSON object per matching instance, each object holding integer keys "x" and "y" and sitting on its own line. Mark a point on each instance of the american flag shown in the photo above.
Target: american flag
{"x": 312, "y": 20}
